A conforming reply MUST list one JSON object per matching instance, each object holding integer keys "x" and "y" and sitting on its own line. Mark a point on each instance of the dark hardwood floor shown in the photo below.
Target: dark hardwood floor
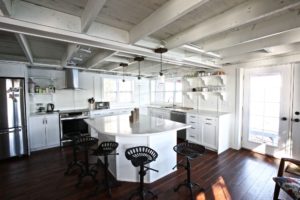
{"x": 231, "y": 175}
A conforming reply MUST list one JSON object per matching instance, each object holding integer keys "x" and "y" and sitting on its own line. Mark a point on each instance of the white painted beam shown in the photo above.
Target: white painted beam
{"x": 117, "y": 59}
{"x": 274, "y": 60}
{"x": 245, "y": 13}
{"x": 252, "y": 56}
{"x": 286, "y": 37}
{"x": 71, "y": 49}
{"x": 99, "y": 58}
{"x": 250, "y": 32}
{"x": 90, "y": 13}
{"x": 5, "y": 7}
{"x": 163, "y": 16}
{"x": 18, "y": 26}
{"x": 23, "y": 42}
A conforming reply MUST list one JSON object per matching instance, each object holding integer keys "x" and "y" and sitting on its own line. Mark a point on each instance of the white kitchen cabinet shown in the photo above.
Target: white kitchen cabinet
{"x": 43, "y": 131}
{"x": 211, "y": 132}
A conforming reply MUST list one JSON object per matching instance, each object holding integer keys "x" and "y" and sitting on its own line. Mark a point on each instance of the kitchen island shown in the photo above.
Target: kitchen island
{"x": 156, "y": 133}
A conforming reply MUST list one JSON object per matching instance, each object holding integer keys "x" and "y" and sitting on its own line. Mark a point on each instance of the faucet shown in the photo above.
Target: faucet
{"x": 173, "y": 104}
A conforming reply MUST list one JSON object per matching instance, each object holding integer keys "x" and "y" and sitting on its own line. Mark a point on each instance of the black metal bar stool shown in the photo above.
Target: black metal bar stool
{"x": 106, "y": 149}
{"x": 139, "y": 157}
{"x": 190, "y": 151}
{"x": 75, "y": 162}
{"x": 86, "y": 142}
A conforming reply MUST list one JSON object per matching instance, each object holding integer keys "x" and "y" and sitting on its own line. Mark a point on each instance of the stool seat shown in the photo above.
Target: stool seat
{"x": 139, "y": 157}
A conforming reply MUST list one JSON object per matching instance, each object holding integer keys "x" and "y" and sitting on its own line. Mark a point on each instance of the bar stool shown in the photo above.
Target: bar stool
{"x": 86, "y": 142}
{"x": 106, "y": 149}
{"x": 190, "y": 151}
{"x": 75, "y": 162}
{"x": 139, "y": 157}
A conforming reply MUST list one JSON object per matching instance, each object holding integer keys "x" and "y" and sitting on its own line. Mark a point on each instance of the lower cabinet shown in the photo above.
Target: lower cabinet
{"x": 211, "y": 132}
{"x": 43, "y": 131}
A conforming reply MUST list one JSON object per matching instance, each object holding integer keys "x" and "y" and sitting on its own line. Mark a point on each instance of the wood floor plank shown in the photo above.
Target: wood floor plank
{"x": 233, "y": 175}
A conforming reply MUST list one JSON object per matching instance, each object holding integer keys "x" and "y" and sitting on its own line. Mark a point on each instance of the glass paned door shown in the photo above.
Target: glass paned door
{"x": 266, "y": 109}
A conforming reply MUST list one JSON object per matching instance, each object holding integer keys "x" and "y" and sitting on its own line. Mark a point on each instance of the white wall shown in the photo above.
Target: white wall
{"x": 91, "y": 83}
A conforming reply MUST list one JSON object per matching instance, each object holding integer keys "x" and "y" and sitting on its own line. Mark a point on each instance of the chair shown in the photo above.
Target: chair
{"x": 291, "y": 185}
{"x": 106, "y": 149}
{"x": 190, "y": 151}
{"x": 139, "y": 157}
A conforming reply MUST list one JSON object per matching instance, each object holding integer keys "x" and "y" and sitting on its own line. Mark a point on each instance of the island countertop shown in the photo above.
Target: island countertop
{"x": 121, "y": 126}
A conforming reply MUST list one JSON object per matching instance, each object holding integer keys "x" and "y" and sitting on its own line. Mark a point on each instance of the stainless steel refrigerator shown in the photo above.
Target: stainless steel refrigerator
{"x": 13, "y": 137}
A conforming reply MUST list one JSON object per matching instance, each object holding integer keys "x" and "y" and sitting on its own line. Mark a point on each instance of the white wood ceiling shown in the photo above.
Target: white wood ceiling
{"x": 101, "y": 34}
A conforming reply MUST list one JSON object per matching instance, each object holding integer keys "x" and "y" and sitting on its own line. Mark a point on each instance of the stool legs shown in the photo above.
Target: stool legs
{"x": 142, "y": 192}
{"x": 74, "y": 163}
{"x": 188, "y": 183}
{"x": 108, "y": 185}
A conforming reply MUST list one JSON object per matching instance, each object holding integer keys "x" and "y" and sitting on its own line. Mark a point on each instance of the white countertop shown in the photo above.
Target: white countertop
{"x": 120, "y": 126}
{"x": 192, "y": 111}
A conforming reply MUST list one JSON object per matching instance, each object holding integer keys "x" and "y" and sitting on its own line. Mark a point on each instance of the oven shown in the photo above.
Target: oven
{"x": 72, "y": 123}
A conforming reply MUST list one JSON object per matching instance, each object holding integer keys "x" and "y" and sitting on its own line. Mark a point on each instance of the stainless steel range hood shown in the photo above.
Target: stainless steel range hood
{"x": 72, "y": 79}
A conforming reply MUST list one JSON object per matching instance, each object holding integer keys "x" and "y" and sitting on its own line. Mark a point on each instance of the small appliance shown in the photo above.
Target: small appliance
{"x": 101, "y": 105}
{"x": 50, "y": 107}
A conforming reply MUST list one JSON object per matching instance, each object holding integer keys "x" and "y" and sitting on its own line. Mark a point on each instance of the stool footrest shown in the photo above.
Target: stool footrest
{"x": 148, "y": 168}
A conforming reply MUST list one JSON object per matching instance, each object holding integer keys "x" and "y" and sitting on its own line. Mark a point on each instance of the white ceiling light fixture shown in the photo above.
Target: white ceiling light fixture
{"x": 161, "y": 50}
{"x": 123, "y": 65}
{"x": 139, "y": 59}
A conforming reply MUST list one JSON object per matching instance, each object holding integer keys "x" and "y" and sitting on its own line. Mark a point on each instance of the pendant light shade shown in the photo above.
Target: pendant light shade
{"x": 123, "y": 65}
{"x": 161, "y": 51}
{"x": 139, "y": 59}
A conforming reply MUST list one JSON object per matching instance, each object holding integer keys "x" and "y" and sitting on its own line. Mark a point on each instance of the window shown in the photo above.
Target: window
{"x": 169, "y": 91}
{"x": 264, "y": 108}
{"x": 115, "y": 90}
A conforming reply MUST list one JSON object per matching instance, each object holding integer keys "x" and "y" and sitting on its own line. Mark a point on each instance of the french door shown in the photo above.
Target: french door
{"x": 295, "y": 113}
{"x": 266, "y": 110}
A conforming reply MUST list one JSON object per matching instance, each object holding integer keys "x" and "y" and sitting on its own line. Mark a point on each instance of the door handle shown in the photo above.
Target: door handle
{"x": 296, "y": 120}
{"x": 283, "y": 118}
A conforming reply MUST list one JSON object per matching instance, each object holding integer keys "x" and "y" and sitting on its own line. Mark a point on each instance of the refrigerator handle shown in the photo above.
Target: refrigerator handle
{"x": 11, "y": 131}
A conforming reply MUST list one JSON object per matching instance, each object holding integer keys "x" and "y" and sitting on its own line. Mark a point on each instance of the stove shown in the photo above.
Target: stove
{"x": 72, "y": 124}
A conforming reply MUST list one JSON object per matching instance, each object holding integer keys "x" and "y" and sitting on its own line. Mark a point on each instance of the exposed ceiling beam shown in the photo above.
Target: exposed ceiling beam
{"x": 245, "y": 13}
{"x": 250, "y": 32}
{"x": 90, "y": 13}
{"x": 23, "y": 42}
{"x": 286, "y": 37}
{"x": 98, "y": 58}
{"x": 163, "y": 16}
{"x": 278, "y": 50}
{"x": 5, "y": 7}
{"x": 18, "y": 26}
{"x": 117, "y": 59}
{"x": 274, "y": 60}
{"x": 71, "y": 49}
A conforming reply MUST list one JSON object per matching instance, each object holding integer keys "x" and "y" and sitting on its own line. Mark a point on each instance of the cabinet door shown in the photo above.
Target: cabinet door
{"x": 37, "y": 132}
{"x": 209, "y": 135}
{"x": 52, "y": 130}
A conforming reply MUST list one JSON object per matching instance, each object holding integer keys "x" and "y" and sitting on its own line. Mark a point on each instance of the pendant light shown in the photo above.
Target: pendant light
{"x": 161, "y": 50}
{"x": 139, "y": 59}
{"x": 123, "y": 65}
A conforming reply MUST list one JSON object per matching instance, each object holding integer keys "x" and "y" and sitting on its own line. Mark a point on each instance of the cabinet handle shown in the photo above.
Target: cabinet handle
{"x": 208, "y": 119}
{"x": 192, "y": 136}
{"x": 193, "y": 122}
{"x": 192, "y": 116}
{"x": 208, "y": 123}
{"x": 46, "y": 121}
{"x": 43, "y": 121}
{"x": 193, "y": 128}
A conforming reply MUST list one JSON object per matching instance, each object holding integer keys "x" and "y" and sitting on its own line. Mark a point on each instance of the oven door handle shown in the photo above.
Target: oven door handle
{"x": 71, "y": 118}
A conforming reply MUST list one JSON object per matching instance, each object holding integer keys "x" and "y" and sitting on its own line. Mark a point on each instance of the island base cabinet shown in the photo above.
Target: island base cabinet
{"x": 43, "y": 131}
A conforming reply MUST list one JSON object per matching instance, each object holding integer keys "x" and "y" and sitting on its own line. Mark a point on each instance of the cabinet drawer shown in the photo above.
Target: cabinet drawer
{"x": 210, "y": 120}
{"x": 192, "y": 136}
{"x": 193, "y": 118}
